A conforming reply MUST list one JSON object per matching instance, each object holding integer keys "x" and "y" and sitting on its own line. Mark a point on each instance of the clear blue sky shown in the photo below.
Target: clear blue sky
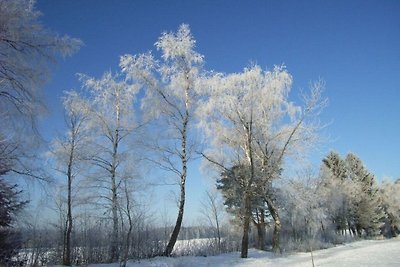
{"x": 353, "y": 45}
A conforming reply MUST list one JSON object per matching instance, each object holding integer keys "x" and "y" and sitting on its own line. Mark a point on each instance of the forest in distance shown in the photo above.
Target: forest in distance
{"x": 164, "y": 110}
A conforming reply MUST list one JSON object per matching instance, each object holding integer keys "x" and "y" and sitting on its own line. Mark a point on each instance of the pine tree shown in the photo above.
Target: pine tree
{"x": 367, "y": 208}
{"x": 336, "y": 165}
{"x": 232, "y": 185}
{"x": 10, "y": 204}
{"x": 354, "y": 199}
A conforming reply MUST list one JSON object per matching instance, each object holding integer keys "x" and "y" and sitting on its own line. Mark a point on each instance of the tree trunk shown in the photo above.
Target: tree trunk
{"x": 247, "y": 193}
{"x": 177, "y": 228}
{"x": 276, "y": 239}
{"x": 178, "y": 223}
{"x": 393, "y": 226}
{"x": 114, "y": 198}
{"x": 128, "y": 235}
{"x": 67, "y": 252}
{"x": 219, "y": 240}
{"x": 114, "y": 239}
{"x": 67, "y": 237}
{"x": 218, "y": 231}
{"x": 394, "y": 229}
{"x": 276, "y": 246}
{"x": 261, "y": 231}
{"x": 246, "y": 225}
{"x": 323, "y": 231}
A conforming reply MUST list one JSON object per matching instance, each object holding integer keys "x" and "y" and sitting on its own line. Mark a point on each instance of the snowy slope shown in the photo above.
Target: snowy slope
{"x": 362, "y": 253}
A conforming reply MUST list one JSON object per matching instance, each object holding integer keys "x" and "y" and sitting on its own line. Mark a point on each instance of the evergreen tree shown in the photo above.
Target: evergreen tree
{"x": 390, "y": 195}
{"x": 353, "y": 195}
{"x": 366, "y": 205}
{"x": 232, "y": 184}
{"x": 10, "y": 204}
{"x": 336, "y": 165}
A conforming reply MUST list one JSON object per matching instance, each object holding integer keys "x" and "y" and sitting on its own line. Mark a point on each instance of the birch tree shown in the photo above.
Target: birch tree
{"x": 251, "y": 123}
{"x": 70, "y": 153}
{"x": 212, "y": 211}
{"x": 171, "y": 84}
{"x": 113, "y": 115}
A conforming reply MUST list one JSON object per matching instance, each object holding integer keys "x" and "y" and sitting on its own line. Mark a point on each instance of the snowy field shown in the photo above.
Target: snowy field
{"x": 357, "y": 254}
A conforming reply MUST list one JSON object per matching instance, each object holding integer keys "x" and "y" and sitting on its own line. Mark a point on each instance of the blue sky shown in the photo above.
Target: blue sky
{"x": 353, "y": 45}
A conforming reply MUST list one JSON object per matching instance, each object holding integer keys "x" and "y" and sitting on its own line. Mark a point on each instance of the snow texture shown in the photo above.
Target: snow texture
{"x": 362, "y": 253}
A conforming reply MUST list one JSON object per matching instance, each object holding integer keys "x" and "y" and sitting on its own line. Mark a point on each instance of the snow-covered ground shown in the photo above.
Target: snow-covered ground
{"x": 357, "y": 254}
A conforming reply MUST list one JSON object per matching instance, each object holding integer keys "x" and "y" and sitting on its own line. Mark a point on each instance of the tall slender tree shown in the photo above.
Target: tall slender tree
{"x": 212, "y": 210}
{"x": 171, "y": 96}
{"x": 112, "y": 114}
{"x": 71, "y": 152}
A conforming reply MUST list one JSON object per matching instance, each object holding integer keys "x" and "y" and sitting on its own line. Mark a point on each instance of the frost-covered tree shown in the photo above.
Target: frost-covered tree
{"x": 112, "y": 115}
{"x": 366, "y": 209}
{"x": 231, "y": 184}
{"x": 126, "y": 208}
{"x": 27, "y": 50}
{"x": 353, "y": 199}
{"x": 336, "y": 165}
{"x": 212, "y": 209}
{"x": 390, "y": 195}
{"x": 170, "y": 85}
{"x": 251, "y": 123}
{"x": 335, "y": 187}
{"x": 70, "y": 153}
{"x": 304, "y": 215}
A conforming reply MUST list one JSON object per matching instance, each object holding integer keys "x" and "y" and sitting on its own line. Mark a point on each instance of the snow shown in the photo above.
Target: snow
{"x": 361, "y": 253}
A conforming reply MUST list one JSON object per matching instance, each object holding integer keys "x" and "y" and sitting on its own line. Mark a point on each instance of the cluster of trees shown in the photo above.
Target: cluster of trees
{"x": 342, "y": 202}
{"x": 357, "y": 206}
{"x": 98, "y": 127}
{"x": 27, "y": 51}
{"x": 356, "y": 203}
{"x": 166, "y": 111}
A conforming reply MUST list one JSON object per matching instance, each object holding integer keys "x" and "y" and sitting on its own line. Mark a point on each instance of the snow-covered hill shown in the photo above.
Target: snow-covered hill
{"x": 362, "y": 253}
